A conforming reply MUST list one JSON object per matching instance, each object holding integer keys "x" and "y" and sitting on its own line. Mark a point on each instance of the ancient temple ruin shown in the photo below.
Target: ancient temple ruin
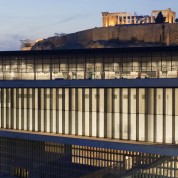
{"x": 119, "y": 18}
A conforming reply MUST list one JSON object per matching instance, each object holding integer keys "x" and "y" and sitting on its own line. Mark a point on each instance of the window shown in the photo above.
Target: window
{"x": 20, "y": 173}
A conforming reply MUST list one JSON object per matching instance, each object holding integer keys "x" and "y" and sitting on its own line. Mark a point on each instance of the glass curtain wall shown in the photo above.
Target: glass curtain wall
{"x": 90, "y": 66}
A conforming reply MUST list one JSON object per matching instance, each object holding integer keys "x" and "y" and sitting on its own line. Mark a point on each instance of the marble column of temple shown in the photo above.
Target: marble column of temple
{"x": 118, "y": 20}
{"x": 122, "y": 19}
{"x": 126, "y": 21}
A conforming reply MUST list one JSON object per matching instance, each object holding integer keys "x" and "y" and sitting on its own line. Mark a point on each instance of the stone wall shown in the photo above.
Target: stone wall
{"x": 117, "y": 36}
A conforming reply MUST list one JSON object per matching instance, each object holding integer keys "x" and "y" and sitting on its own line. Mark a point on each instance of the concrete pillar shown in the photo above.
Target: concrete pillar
{"x": 87, "y": 117}
{"x": 36, "y": 109}
{"x": 14, "y": 108}
{"x": 47, "y": 116}
{"x": 150, "y": 105}
{"x": 132, "y": 112}
{"x": 124, "y": 113}
{"x": 60, "y": 113}
{"x": 109, "y": 113}
{"x": 30, "y": 110}
{"x": 80, "y": 119}
{"x": 116, "y": 114}
{"x": 67, "y": 111}
{"x": 25, "y": 109}
{"x": 94, "y": 114}
{"x": 4, "y": 102}
{"x": 73, "y": 115}
{"x": 53, "y": 111}
{"x": 142, "y": 114}
{"x": 19, "y": 106}
{"x": 159, "y": 115}
{"x": 8, "y": 105}
{"x": 41, "y": 112}
{"x": 168, "y": 116}
{"x": 101, "y": 113}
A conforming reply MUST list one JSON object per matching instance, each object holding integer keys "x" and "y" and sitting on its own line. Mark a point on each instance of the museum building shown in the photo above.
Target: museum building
{"x": 89, "y": 113}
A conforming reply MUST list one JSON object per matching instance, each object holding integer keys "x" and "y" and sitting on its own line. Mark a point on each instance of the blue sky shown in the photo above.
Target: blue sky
{"x": 42, "y": 18}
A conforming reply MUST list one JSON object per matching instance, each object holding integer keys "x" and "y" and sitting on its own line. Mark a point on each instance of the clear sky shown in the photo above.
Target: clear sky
{"x": 24, "y": 19}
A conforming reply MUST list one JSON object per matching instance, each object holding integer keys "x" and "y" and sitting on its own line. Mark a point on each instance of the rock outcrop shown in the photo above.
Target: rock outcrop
{"x": 113, "y": 37}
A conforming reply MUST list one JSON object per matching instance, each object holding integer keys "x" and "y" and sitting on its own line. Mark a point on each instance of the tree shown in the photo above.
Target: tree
{"x": 160, "y": 18}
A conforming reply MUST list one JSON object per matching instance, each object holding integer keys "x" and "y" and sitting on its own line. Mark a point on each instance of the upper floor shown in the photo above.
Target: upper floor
{"x": 143, "y": 62}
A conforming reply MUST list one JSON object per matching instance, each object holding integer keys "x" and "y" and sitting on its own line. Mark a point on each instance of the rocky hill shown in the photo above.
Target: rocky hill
{"x": 111, "y": 37}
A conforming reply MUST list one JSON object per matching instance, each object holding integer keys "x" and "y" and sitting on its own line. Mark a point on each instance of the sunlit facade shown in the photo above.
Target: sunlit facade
{"x": 85, "y": 113}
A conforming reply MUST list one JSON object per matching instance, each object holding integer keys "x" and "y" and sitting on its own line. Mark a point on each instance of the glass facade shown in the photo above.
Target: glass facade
{"x": 113, "y": 64}
{"x": 33, "y": 159}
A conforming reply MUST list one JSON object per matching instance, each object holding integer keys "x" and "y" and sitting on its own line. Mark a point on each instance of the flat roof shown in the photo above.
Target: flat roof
{"x": 91, "y": 51}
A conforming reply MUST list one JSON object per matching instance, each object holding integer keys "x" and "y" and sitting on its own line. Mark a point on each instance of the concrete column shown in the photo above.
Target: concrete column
{"x": 60, "y": 112}
{"x": 80, "y": 119}
{"x": 109, "y": 113}
{"x": 19, "y": 106}
{"x": 94, "y": 114}
{"x": 8, "y": 105}
{"x": 25, "y": 98}
{"x": 101, "y": 113}
{"x": 142, "y": 114}
{"x": 132, "y": 112}
{"x": 73, "y": 115}
{"x": 87, "y": 118}
{"x": 168, "y": 112}
{"x": 116, "y": 114}
{"x": 124, "y": 113}
{"x": 159, "y": 115}
{"x": 3, "y": 98}
{"x": 14, "y": 107}
{"x": 30, "y": 110}
{"x": 47, "y": 121}
{"x": 150, "y": 104}
{"x": 53, "y": 111}
{"x": 66, "y": 110}
{"x": 36, "y": 109}
{"x": 41, "y": 112}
